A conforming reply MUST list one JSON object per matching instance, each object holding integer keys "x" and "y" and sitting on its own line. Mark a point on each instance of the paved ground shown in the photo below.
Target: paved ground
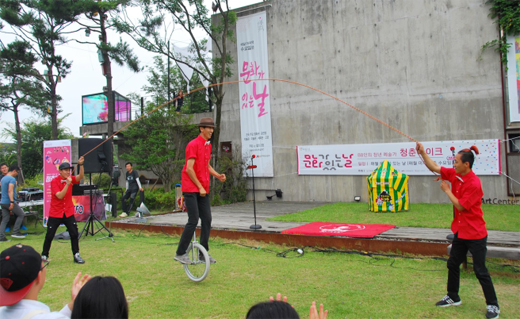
{"x": 240, "y": 216}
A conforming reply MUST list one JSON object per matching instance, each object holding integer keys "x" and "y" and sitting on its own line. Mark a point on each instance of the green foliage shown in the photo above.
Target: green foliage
{"x": 7, "y": 153}
{"x": 155, "y": 28}
{"x": 33, "y": 133}
{"x": 234, "y": 189}
{"x": 42, "y": 24}
{"x": 158, "y": 142}
{"x": 159, "y": 199}
{"x": 102, "y": 180}
{"x": 507, "y": 15}
{"x": 33, "y": 181}
{"x": 18, "y": 86}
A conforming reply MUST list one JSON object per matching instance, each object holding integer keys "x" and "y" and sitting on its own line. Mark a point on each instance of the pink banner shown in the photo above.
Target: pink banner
{"x": 54, "y": 153}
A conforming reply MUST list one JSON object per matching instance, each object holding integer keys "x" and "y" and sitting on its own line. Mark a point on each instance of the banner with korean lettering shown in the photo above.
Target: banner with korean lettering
{"x": 513, "y": 77}
{"x": 362, "y": 159}
{"x": 255, "y": 108}
{"x": 54, "y": 153}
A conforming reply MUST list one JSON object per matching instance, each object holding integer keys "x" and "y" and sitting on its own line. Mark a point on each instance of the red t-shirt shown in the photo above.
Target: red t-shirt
{"x": 200, "y": 150}
{"x": 469, "y": 223}
{"x": 64, "y": 205}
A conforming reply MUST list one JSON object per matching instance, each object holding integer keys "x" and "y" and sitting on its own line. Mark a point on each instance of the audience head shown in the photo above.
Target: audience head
{"x": 14, "y": 168}
{"x": 4, "y": 168}
{"x": 20, "y": 267}
{"x": 272, "y": 310}
{"x": 101, "y": 297}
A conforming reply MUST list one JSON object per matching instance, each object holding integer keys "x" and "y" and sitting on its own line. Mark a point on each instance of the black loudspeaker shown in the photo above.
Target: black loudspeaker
{"x": 99, "y": 157}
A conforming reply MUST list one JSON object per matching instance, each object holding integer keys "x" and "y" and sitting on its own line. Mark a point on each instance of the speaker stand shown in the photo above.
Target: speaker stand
{"x": 92, "y": 219}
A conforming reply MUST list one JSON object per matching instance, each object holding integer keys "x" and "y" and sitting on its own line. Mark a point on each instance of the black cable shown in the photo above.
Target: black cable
{"x": 375, "y": 257}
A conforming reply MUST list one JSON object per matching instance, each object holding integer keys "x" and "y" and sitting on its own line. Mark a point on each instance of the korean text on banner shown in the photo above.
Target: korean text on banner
{"x": 362, "y": 159}
{"x": 255, "y": 107}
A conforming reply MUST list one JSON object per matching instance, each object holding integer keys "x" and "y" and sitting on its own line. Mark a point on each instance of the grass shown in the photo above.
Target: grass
{"x": 348, "y": 284}
{"x": 498, "y": 217}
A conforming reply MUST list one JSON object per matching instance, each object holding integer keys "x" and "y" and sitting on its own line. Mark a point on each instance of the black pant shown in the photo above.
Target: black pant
{"x": 478, "y": 250}
{"x": 130, "y": 193}
{"x": 52, "y": 226}
{"x": 198, "y": 207}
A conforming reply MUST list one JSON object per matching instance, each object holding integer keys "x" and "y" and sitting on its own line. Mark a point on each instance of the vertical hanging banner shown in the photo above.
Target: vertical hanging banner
{"x": 54, "y": 153}
{"x": 255, "y": 107}
{"x": 513, "y": 78}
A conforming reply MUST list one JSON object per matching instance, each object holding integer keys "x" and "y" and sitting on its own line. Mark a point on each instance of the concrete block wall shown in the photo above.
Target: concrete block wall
{"x": 414, "y": 64}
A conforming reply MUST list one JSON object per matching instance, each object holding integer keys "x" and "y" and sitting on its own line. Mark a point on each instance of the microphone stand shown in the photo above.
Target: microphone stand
{"x": 252, "y": 167}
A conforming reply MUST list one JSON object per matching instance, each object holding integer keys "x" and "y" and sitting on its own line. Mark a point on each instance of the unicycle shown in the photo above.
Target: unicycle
{"x": 198, "y": 269}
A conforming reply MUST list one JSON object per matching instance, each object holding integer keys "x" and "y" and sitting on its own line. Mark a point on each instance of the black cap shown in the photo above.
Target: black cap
{"x": 65, "y": 165}
{"x": 19, "y": 267}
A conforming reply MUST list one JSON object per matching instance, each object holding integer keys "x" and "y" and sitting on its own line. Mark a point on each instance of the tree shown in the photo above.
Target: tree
{"x": 18, "y": 87}
{"x": 160, "y": 79}
{"x": 7, "y": 153}
{"x": 191, "y": 16}
{"x": 98, "y": 13}
{"x": 158, "y": 142}
{"x": 33, "y": 133}
{"x": 42, "y": 24}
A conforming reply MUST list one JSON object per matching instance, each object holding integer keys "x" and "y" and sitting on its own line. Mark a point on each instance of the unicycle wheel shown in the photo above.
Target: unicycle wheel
{"x": 198, "y": 269}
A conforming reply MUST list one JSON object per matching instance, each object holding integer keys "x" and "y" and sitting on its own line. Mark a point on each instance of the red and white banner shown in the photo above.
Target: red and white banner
{"x": 54, "y": 153}
{"x": 255, "y": 106}
{"x": 362, "y": 159}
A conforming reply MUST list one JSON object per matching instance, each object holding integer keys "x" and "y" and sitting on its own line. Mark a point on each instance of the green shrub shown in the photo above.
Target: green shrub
{"x": 101, "y": 180}
{"x": 35, "y": 181}
{"x": 158, "y": 199}
{"x": 235, "y": 188}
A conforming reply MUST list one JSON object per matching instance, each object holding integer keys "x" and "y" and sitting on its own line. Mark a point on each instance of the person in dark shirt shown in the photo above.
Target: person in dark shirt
{"x": 132, "y": 186}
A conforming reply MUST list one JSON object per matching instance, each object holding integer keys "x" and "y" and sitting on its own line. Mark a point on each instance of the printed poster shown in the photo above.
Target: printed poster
{"x": 54, "y": 153}
{"x": 255, "y": 107}
{"x": 363, "y": 159}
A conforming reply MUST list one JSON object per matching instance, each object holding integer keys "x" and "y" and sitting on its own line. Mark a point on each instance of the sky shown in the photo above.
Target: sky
{"x": 86, "y": 77}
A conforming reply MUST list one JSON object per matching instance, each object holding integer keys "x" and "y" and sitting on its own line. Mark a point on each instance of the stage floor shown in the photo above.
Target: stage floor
{"x": 240, "y": 216}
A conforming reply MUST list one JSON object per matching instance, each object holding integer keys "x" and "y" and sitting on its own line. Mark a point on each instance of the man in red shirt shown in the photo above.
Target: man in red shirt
{"x": 195, "y": 188}
{"x": 468, "y": 226}
{"x": 62, "y": 209}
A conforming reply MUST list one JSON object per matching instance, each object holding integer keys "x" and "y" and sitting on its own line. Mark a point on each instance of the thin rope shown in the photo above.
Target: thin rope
{"x": 239, "y": 81}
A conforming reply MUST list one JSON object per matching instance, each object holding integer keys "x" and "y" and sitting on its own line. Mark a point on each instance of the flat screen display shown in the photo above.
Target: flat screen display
{"x": 95, "y": 108}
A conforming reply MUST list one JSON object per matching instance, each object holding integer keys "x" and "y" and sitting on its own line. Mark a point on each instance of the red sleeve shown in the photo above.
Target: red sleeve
{"x": 191, "y": 151}
{"x": 447, "y": 174}
{"x": 75, "y": 180}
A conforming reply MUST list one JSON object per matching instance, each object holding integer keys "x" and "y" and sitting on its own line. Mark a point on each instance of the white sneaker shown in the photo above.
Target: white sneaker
{"x": 123, "y": 215}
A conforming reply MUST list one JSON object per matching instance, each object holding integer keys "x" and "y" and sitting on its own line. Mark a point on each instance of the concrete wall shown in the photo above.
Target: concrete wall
{"x": 415, "y": 64}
